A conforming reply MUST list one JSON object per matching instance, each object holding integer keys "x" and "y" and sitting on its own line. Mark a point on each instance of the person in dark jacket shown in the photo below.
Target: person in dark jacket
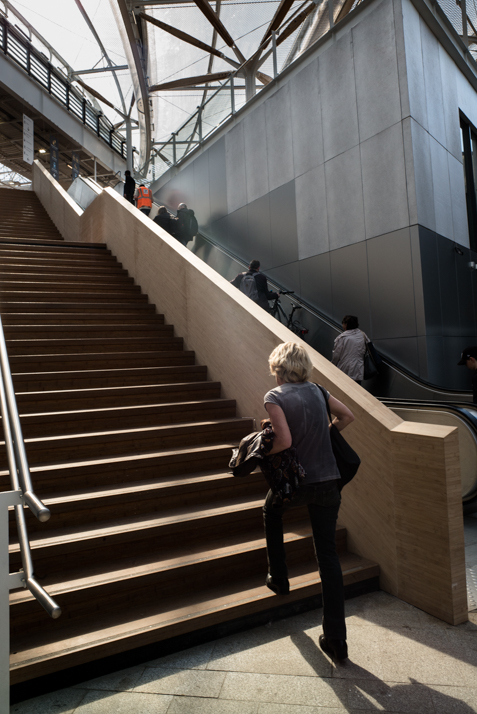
{"x": 187, "y": 227}
{"x": 165, "y": 220}
{"x": 468, "y": 359}
{"x": 129, "y": 187}
{"x": 263, "y": 293}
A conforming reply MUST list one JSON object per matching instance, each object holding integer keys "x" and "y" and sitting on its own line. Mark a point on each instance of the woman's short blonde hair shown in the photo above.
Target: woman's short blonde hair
{"x": 290, "y": 363}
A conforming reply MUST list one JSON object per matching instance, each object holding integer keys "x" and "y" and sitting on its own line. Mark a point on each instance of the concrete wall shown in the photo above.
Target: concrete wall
{"x": 331, "y": 175}
{"x": 405, "y": 503}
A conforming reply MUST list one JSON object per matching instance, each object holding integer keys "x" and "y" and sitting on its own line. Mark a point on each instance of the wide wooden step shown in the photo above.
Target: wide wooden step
{"x": 47, "y": 450}
{"x": 101, "y": 471}
{"x": 124, "y": 396}
{"x": 111, "y": 360}
{"x": 180, "y": 615}
{"x": 128, "y": 329}
{"x": 91, "y": 420}
{"x": 93, "y": 378}
{"x": 112, "y": 503}
{"x": 163, "y": 340}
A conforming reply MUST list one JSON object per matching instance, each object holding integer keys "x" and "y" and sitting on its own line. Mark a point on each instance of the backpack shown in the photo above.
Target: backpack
{"x": 249, "y": 287}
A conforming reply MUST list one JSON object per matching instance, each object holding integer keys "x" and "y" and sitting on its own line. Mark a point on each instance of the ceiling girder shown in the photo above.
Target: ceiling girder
{"x": 190, "y": 81}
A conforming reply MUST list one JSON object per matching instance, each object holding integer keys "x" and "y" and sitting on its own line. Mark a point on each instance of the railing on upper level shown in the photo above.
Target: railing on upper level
{"x": 18, "y": 48}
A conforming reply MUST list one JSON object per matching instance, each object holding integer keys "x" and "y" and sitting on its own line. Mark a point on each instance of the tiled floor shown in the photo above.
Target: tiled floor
{"x": 401, "y": 661}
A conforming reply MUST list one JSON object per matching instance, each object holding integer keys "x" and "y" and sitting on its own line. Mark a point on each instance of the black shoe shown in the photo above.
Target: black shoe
{"x": 336, "y": 649}
{"x": 280, "y": 586}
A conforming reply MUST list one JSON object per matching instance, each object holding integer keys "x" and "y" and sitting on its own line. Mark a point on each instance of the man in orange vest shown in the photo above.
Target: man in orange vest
{"x": 144, "y": 199}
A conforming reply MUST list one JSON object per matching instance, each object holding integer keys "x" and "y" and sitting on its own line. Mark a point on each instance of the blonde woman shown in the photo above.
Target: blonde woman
{"x": 297, "y": 411}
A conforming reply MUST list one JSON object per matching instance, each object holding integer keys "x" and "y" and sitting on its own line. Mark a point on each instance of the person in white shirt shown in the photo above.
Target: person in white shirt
{"x": 349, "y": 349}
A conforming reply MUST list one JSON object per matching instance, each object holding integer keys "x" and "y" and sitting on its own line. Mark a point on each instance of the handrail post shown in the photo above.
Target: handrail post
{"x": 274, "y": 50}
{"x": 232, "y": 95}
{"x": 199, "y": 122}
{"x": 174, "y": 157}
{"x": 465, "y": 36}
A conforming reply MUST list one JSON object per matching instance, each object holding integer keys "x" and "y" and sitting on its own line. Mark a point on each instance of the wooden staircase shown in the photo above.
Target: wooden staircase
{"x": 128, "y": 443}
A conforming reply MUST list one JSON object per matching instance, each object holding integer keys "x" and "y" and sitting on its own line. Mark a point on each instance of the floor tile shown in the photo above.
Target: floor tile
{"x": 297, "y": 654}
{"x": 194, "y": 658}
{"x": 388, "y": 696}
{"x": 195, "y": 705}
{"x": 454, "y": 700}
{"x": 96, "y": 702}
{"x": 119, "y": 681}
{"x": 280, "y": 689}
{"x": 64, "y": 701}
{"x": 190, "y": 683}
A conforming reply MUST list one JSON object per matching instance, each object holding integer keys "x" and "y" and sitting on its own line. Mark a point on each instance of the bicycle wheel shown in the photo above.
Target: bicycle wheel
{"x": 299, "y": 329}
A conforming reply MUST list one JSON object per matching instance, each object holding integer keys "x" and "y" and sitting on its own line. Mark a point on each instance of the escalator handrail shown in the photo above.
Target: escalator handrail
{"x": 389, "y": 362}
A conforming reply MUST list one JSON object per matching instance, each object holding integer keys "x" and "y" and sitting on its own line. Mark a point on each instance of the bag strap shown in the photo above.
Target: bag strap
{"x": 323, "y": 391}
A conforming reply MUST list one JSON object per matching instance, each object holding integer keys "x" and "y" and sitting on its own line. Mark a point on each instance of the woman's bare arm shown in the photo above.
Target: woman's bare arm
{"x": 342, "y": 415}
{"x": 283, "y": 437}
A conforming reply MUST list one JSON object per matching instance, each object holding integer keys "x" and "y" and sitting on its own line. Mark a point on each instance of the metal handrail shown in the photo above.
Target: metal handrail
{"x": 21, "y": 481}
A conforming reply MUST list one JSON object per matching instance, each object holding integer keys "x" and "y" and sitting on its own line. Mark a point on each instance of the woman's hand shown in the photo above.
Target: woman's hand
{"x": 283, "y": 437}
{"x": 343, "y": 415}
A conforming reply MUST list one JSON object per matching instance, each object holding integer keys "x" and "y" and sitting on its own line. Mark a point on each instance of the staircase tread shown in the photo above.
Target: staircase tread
{"x": 128, "y": 389}
{"x": 123, "y": 432}
{"x": 303, "y": 581}
{"x": 128, "y": 525}
{"x": 131, "y": 408}
{"x": 148, "y": 564}
{"x": 125, "y": 458}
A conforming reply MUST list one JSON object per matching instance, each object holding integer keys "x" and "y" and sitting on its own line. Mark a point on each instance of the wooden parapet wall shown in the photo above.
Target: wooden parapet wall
{"x": 404, "y": 509}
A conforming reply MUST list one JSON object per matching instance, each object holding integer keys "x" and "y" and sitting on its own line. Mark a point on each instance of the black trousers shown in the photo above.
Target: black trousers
{"x": 323, "y": 506}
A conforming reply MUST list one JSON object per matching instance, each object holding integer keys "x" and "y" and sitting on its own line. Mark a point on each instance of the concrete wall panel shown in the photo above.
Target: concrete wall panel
{"x": 377, "y": 83}
{"x": 235, "y": 168}
{"x": 391, "y": 284}
{"x": 384, "y": 182}
{"x": 279, "y": 139}
{"x": 256, "y": 163}
{"x": 338, "y": 98}
{"x": 344, "y": 199}
{"x": 307, "y": 130}
{"x": 311, "y": 214}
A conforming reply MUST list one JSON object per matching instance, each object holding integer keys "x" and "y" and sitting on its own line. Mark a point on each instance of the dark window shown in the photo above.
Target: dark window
{"x": 469, "y": 158}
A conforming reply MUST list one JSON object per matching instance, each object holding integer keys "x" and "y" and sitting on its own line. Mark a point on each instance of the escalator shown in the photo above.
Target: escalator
{"x": 407, "y": 395}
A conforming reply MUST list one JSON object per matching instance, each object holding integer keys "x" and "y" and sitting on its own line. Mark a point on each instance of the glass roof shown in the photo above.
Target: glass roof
{"x": 167, "y": 58}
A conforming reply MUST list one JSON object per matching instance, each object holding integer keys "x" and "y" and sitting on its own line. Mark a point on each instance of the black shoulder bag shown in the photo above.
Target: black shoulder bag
{"x": 347, "y": 459}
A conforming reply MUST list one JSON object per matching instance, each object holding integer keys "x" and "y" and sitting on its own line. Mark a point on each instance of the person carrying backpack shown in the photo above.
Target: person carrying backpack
{"x": 253, "y": 284}
{"x": 187, "y": 226}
